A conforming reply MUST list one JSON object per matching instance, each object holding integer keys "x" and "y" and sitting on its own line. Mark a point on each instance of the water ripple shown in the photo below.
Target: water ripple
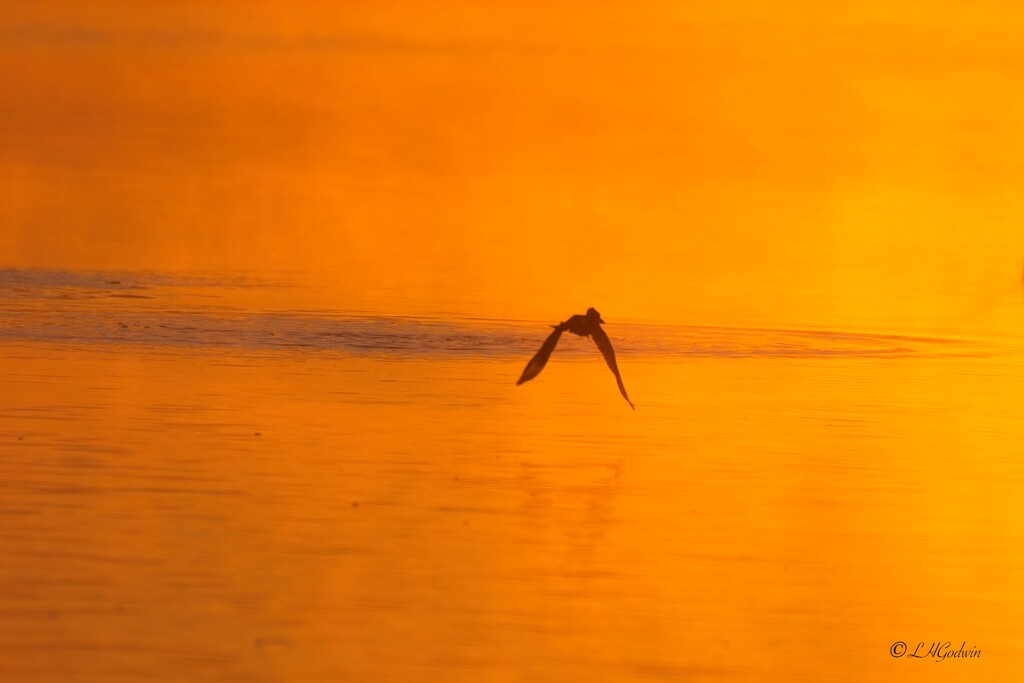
{"x": 131, "y": 308}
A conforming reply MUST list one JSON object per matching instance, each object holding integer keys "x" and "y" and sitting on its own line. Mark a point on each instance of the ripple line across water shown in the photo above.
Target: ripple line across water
{"x": 133, "y": 308}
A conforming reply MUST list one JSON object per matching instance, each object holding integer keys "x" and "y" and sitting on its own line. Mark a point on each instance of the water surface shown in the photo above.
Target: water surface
{"x": 199, "y": 489}
{"x": 269, "y": 272}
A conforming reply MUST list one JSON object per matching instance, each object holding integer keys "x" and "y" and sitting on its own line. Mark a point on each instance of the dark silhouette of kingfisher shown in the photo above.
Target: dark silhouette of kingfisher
{"x": 588, "y": 325}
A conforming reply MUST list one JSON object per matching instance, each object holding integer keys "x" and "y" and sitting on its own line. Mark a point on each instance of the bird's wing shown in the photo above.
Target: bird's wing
{"x": 605, "y": 344}
{"x": 540, "y": 359}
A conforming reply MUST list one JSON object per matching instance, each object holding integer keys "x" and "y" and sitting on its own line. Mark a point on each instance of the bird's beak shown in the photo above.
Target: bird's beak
{"x": 601, "y": 321}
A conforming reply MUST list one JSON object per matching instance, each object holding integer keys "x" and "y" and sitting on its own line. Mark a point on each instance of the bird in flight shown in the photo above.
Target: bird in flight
{"x": 588, "y": 325}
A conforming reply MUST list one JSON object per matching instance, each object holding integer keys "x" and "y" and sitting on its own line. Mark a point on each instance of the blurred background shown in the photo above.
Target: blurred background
{"x": 739, "y": 163}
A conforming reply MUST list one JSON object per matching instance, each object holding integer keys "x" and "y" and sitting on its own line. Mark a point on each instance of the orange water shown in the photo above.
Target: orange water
{"x": 268, "y": 274}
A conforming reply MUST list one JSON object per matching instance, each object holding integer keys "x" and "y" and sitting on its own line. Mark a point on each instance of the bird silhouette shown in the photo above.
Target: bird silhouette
{"x": 588, "y": 325}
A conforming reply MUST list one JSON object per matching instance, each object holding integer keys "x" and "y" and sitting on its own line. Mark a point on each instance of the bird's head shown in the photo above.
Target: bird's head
{"x": 593, "y": 316}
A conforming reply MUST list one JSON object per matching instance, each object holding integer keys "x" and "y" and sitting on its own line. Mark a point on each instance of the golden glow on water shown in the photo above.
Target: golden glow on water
{"x": 230, "y": 516}
{"x": 708, "y": 165}
{"x": 222, "y": 472}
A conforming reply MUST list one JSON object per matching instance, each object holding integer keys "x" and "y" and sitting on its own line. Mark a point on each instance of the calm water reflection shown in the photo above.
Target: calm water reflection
{"x": 187, "y": 499}
{"x": 311, "y": 462}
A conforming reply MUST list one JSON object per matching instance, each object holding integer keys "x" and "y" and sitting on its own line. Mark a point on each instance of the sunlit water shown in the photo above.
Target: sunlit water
{"x": 196, "y": 487}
